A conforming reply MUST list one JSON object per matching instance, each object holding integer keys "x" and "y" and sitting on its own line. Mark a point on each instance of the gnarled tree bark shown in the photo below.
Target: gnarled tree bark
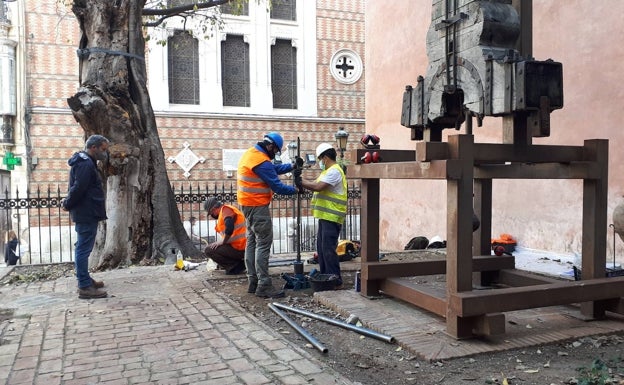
{"x": 143, "y": 223}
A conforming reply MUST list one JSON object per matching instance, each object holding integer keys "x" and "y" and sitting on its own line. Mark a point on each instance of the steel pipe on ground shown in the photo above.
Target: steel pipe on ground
{"x": 299, "y": 329}
{"x": 357, "y": 329}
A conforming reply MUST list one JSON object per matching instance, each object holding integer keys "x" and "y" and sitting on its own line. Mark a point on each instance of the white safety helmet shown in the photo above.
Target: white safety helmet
{"x": 321, "y": 148}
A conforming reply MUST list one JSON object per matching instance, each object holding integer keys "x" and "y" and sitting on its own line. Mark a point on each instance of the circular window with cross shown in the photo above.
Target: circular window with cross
{"x": 346, "y": 66}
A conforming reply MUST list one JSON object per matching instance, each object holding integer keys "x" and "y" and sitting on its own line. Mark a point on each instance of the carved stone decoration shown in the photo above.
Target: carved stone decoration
{"x": 186, "y": 159}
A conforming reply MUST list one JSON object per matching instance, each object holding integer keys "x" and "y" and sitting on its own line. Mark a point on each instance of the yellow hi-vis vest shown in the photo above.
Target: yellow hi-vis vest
{"x": 238, "y": 239}
{"x": 328, "y": 205}
{"x": 251, "y": 189}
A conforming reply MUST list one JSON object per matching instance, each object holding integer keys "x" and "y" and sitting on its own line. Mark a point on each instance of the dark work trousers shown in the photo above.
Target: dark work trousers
{"x": 326, "y": 243}
{"x": 227, "y": 257}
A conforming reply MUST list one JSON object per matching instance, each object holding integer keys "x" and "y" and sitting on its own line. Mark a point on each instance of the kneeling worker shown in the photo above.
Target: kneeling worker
{"x": 229, "y": 251}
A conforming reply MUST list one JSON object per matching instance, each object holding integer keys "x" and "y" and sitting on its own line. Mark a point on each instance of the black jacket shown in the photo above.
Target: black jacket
{"x": 10, "y": 258}
{"x": 85, "y": 199}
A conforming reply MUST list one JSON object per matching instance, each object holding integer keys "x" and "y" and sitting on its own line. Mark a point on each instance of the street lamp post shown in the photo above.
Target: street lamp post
{"x": 341, "y": 139}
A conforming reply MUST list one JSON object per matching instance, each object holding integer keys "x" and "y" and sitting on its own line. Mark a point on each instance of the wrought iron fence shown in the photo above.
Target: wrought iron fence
{"x": 46, "y": 233}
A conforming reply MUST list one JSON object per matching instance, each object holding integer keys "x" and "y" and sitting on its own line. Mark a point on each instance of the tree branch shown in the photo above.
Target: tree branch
{"x": 168, "y": 12}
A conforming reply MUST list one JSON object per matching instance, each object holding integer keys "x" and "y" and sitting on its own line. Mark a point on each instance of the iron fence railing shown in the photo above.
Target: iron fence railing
{"x": 47, "y": 236}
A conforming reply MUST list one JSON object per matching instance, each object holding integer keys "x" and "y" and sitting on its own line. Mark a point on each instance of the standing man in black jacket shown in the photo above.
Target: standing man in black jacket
{"x": 85, "y": 202}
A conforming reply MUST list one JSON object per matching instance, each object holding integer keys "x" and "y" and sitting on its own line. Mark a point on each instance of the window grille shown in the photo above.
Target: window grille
{"x": 284, "y": 74}
{"x": 235, "y": 82}
{"x": 284, "y": 9}
{"x": 233, "y": 9}
{"x": 183, "y": 68}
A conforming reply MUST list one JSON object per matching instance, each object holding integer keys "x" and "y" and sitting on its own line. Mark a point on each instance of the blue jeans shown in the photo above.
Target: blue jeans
{"x": 326, "y": 243}
{"x": 86, "y": 239}
{"x": 259, "y": 242}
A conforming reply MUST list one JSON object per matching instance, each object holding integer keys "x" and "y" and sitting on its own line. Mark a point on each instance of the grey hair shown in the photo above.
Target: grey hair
{"x": 95, "y": 140}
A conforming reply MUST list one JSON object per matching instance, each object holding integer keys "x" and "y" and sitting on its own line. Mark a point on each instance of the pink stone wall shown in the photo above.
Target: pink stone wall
{"x": 583, "y": 35}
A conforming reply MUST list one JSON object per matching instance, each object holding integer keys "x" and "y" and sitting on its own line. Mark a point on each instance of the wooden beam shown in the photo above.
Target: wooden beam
{"x": 498, "y": 153}
{"x": 517, "y": 278}
{"x": 489, "y": 324}
{"x": 494, "y": 153}
{"x": 439, "y": 169}
{"x": 594, "y": 246}
{"x": 422, "y": 296}
{"x": 471, "y": 303}
{"x": 381, "y": 270}
{"x": 370, "y": 232}
{"x": 576, "y": 170}
{"x": 482, "y": 205}
{"x": 386, "y": 156}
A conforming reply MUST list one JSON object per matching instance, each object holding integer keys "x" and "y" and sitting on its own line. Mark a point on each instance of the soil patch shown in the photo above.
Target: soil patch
{"x": 370, "y": 361}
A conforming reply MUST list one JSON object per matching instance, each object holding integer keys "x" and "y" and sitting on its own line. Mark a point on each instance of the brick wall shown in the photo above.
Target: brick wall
{"x": 52, "y": 36}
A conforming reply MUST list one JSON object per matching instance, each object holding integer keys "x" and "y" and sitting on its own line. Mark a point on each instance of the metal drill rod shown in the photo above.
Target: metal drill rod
{"x": 299, "y": 329}
{"x": 357, "y": 329}
{"x": 298, "y": 235}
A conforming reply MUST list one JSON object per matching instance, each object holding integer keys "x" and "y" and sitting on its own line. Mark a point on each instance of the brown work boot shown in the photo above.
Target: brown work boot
{"x": 91, "y": 292}
{"x": 269, "y": 292}
{"x": 97, "y": 284}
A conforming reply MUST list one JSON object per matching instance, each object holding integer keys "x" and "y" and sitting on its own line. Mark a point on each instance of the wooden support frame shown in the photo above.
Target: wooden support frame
{"x": 468, "y": 169}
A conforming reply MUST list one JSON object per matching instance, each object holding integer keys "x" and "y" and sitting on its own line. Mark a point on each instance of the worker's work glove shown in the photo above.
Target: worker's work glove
{"x": 297, "y": 173}
{"x": 299, "y": 162}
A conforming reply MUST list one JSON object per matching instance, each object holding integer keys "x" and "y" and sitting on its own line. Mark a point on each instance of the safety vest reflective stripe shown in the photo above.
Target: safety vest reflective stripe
{"x": 255, "y": 190}
{"x": 251, "y": 189}
{"x": 339, "y": 200}
{"x": 328, "y": 205}
{"x": 250, "y": 179}
{"x": 330, "y": 211}
{"x": 238, "y": 239}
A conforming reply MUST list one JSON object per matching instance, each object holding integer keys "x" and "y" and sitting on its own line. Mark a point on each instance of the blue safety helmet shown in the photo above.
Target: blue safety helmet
{"x": 276, "y": 139}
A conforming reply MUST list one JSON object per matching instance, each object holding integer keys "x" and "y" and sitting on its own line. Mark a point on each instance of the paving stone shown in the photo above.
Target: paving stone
{"x": 145, "y": 332}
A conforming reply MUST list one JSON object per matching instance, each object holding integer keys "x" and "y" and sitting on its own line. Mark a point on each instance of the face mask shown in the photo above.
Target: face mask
{"x": 321, "y": 165}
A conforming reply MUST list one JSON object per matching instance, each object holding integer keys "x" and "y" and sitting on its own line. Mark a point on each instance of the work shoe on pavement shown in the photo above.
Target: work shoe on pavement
{"x": 269, "y": 292}
{"x": 91, "y": 292}
{"x": 97, "y": 284}
{"x": 252, "y": 287}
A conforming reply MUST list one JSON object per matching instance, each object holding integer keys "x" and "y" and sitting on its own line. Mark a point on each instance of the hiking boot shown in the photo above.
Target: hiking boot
{"x": 252, "y": 287}
{"x": 91, "y": 292}
{"x": 269, "y": 292}
{"x": 97, "y": 284}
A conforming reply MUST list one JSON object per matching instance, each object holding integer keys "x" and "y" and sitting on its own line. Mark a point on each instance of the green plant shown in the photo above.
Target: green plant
{"x": 596, "y": 374}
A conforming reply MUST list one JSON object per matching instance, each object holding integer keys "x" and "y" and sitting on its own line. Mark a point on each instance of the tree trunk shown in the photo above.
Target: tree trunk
{"x": 144, "y": 223}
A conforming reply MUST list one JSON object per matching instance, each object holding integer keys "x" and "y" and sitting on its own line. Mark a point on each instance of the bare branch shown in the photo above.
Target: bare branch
{"x": 174, "y": 11}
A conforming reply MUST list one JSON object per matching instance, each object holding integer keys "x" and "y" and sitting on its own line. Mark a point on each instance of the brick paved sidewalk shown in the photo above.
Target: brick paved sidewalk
{"x": 158, "y": 326}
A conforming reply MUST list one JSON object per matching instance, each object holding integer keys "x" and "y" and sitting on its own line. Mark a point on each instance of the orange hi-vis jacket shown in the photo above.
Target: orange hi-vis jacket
{"x": 238, "y": 239}
{"x": 252, "y": 190}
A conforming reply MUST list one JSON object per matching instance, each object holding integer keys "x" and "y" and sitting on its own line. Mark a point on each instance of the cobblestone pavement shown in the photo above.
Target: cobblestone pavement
{"x": 158, "y": 326}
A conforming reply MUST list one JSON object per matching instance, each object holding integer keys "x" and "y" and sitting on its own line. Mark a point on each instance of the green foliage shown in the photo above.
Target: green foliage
{"x": 597, "y": 374}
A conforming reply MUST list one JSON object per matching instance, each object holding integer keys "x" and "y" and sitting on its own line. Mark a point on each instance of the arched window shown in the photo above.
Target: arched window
{"x": 284, "y": 74}
{"x": 183, "y": 68}
{"x": 235, "y": 72}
